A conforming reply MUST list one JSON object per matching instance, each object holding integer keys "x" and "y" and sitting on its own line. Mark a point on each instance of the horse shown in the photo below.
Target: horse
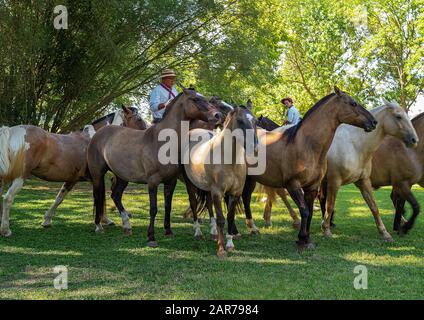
{"x": 296, "y": 158}
{"x": 127, "y": 117}
{"x": 266, "y": 123}
{"x": 401, "y": 170}
{"x": 27, "y": 150}
{"x": 134, "y": 156}
{"x": 349, "y": 160}
{"x": 213, "y": 180}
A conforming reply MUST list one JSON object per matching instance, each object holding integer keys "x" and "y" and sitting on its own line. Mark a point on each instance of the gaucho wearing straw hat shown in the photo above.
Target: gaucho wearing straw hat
{"x": 163, "y": 94}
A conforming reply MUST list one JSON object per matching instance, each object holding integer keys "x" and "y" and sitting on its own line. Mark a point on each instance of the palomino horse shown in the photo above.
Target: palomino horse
{"x": 401, "y": 169}
{"x": 135, "y": 156}
{"x": 296, "y": 158}
{"x": 29, "y": 150}
{"x": 217, "y": 169}
{"x": 349, "y": 160}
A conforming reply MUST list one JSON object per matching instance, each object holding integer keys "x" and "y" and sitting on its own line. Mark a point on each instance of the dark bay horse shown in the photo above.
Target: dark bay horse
{"x": 134, "y": 156}
{"x": 296, "y": 158}
{"x": 28, "y": 150}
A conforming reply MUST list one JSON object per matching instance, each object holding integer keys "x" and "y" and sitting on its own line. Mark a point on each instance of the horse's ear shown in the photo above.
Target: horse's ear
{"x": 338, "y": 91}
{"x": 125, "y": 109}
{"x": 260, "y": 117}
{"x": 249, "y": 105}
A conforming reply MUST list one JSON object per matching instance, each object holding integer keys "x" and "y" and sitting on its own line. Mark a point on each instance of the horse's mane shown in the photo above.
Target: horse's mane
{"x": 418, "y": 117}
{"x": 291, "y": 132}
{"x": 267, "y": 120}
{"x": 169, "y": 107}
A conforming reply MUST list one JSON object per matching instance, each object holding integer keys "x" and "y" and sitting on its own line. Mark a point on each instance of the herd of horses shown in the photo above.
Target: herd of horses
{"x": 338, "y": 142}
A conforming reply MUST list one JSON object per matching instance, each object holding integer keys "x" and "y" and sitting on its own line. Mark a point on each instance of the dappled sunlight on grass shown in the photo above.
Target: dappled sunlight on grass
{"x": 116, "y": 266}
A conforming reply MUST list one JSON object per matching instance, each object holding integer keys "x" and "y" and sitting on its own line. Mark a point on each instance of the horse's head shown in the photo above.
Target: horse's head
{"x": 132, "y": 119}
{"x": 222, "y": 106}
{"x": 396, "y": 123}
{"x": 353, "y": 113}
{"x": 197, "y": 107}
{"x": 242, "y": 120}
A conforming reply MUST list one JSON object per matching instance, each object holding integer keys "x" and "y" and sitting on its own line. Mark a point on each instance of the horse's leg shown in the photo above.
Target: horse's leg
{"x": 16, "y": 186}
{"x": 283, "y": 195}
{"x": 232, "y": 227}
{"x": 191, "y": 191}
{"x": 249, "y": 186}
{"x": 366, "y": 191}
{"x": 188, "y": 213}
{"x": 220, "y": 219}
{"x": 99, "y": 194}
{"x": 66, "y": 187}
{"x": 405, "y": 193}
{"x": 153, "y": 196}
{"x": 214, "y": 231}
{"x": 303, "y": 237}
{"x": 399, "y": 204}
{"x": 331, "y": 195}
{"x": 310, "y": 196}
{"x": 1, "y": 198}
{"x": 231, "y": 207}
{"x": 118, "y": 187}
{"x": 169, "y": 189}
{"x": 270, "y": 198}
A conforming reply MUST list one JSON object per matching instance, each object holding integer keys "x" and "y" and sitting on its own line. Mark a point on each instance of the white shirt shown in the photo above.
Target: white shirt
{"x": 160, "y": 95}
{"x": 293, "y": 115}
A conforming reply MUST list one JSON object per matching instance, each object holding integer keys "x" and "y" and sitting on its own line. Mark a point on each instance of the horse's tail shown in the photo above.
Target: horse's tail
{"x": 12, "y": 153}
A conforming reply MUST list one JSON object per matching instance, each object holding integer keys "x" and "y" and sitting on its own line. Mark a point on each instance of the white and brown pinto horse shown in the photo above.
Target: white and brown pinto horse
{"x": 133, "y": 156}
{"x": 217, "y": 169}
{"x": 27, "y": 150}
{"x": 349, "y": 160}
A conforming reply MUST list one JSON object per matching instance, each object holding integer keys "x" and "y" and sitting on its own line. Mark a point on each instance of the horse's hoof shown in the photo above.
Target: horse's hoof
{"x": 168, "y": 233}
{"x": 152, "y": 244}
{"x": 230, "y": 248}
{"x": 199, "y": 237}
{"x": 328, "y": 234}
{"x": 387, "y": 238}
{"x": 6, "y": 233}
{"x": 109, "y": 223}
{"x": 254, "y": 232}
{"x": 214, "y": 237}
{"x": 46, "y": 225}
{"x": 268, "y": 224}
{"x": 236, "y": 236}
{"x": 222, "y": 254}
{"x": 333, "y": 225}
{"x": 128, "y": 232}
{"x": 296, "y": 225}
{"x": 129, "y": 215}
{"x": 301, "y": 245}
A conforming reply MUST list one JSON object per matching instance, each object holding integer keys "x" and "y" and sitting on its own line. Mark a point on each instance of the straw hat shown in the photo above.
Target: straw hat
{"x": 167, "y": 73}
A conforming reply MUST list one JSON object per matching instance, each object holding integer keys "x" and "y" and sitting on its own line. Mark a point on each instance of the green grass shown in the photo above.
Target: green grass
{"x": 115, "y": 266}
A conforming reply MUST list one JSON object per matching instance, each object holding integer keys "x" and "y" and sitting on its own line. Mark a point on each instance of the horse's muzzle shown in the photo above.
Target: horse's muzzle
{"x": 371, "y": 125}
{"x": 411, "y": 141}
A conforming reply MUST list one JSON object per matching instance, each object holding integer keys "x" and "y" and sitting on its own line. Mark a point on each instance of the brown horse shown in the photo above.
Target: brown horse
{"x": 349, "y": 160}
{"x": 214, "y": 178}
{"x": 135, "y": 156}
{"x": 29, "y": 150}
{"x": 296, "y": 158}
{"x": 401, "y": 169}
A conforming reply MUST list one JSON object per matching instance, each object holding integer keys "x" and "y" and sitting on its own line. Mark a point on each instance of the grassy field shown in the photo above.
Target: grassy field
{"x": 267, "y": 266}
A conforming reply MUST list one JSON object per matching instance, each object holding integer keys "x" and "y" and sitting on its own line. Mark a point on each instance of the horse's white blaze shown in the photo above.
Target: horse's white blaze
{"x": 230, "y": 243}
{"x": 214, "y": 230}
{"x": 7, "y": 203}
{"x": 197, "y": 231}
{"x": 227, "y": 105}
{"x": 90, "y": 130}
{"x": 117, "y": 118}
